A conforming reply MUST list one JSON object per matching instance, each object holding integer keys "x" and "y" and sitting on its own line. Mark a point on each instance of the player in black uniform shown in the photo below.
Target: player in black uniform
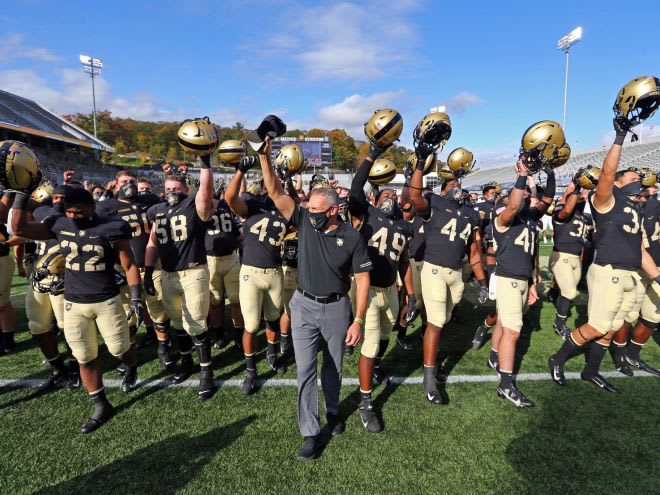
{"x": 260, "y": 281}
{"x": 222, "y": 233}
{"x": 515, "y": 232}
{"x": 91, "y": 246}
{"x": 615, "y": 284}
{"x": 569, "y": 227}
{"x": 386, "y": 235}
{"x": 177, "y": 238}
{"x": 451, "y": 230}
{"x": 132, "y": 208}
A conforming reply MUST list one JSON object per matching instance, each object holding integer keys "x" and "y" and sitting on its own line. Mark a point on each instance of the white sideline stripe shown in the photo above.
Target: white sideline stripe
{"x": 346, "y": 382}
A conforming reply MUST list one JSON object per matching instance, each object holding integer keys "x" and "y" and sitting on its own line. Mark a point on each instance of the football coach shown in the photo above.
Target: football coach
{"x": 329, "y": 251}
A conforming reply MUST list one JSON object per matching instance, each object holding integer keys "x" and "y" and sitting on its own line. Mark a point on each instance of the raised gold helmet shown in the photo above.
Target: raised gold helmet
{"x": 429, "y": 164}
{"x": 289, "y": 160}
{"x": 19, "y": 166}
{"x": 198, "y": 136}
{"x": 587, "y": 178}
{"x": 231, "y": 151}
{"x": 382, "y": 172}
{"x": 460, "y": 161}
{"x": 541, "y": 143}
{"x": 433, "y": 131}
{"x": 637, "y": 100}
{"x": 384, "y": 127}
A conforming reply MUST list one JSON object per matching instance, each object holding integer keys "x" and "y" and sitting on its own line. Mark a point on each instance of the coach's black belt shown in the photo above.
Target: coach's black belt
{"x": 320, "y": 299}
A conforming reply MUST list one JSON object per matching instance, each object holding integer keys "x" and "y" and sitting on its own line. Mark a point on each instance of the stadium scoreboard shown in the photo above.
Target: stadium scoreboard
{"x": 316, "y": 150}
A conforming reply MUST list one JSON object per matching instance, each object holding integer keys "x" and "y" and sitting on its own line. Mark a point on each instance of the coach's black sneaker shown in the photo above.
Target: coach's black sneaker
{"x": 335, "y": 424}
{"x": 379, "y": 376}
{"x": 556, "y": 370}
{"x": 121, "y": 369}
{"x": 165, "y": 357}
{"x": 480, "y": 336}
{"x": 642, "y": 365}
{"x": 561, "y": 328}
{"x": 514, "y": 395}
{"x": 185, "y": 369}
{"x": 247, "y": 387}
{"x": 348, "y": 351}
{"x": 368, "y": 417}
{"x": 600, "y": 382}
{"x": 309, "y": 449}
{"x": 431, "y": 387}
{"x": 275, "y": 364}
{"x": 56, "y": 379}
{"x": 130, "y": 379}
{"x": 103, "y": 411}
{"x": 206, "y": 384}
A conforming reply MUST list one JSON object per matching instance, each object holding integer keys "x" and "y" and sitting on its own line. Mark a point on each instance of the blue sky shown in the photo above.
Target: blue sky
{"x": 330, "y": 64}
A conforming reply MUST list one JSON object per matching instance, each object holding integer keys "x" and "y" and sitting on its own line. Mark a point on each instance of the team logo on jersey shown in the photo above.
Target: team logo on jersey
{"x": 245, "y": 277}
{"x": 340, "y": 242}
{"x": 434, "y": 271}
{"x": 81, "y": 233}
{"x": 514, "y": 285}
{"x": 67, "y": 306}
{"x": 615, "y": 280}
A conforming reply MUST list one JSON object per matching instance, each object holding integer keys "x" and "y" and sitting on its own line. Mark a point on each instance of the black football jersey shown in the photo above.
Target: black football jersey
{"x": 51, "y": 245}
{"x": 90, "y": 256}
{"x": 569, "y": 235}
{"x": 222, "y": 231}
{"x": 263, "y": 232}
{"x": 618, "y": 234}
{"x": 652, "y": 228}
{"x": 447, "y": 232}
{"x": 135, "y": 214}
{"x": 516, "y": 248}
{"x": 417, "y": 243}
{"x": 181, "y": 235}
{"x": 386, "y": 239}
{"x": 486, "y": 207}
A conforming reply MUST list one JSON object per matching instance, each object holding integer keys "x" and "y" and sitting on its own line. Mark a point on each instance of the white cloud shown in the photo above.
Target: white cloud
{"x": 459, "y": 103}
{"x": 12, "y": 47}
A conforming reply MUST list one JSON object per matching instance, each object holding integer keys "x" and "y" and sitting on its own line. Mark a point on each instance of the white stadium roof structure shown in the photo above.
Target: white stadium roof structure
{"x": 645, "y": 154}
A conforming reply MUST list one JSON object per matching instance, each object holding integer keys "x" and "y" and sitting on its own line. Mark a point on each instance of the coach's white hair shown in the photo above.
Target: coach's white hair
{"x": 328, "y": 193}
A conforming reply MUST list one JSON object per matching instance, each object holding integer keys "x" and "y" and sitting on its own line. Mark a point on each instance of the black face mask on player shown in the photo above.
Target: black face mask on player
{"x": 83, "y": 223}
{"x": 455, "y": 194}
{"x": 128, "y": 191}
{"x": 391, "y": 209}
{"x": 173, "y": 198}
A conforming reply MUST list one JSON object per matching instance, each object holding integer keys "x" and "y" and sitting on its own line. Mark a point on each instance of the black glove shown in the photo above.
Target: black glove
{"x": 206, "y": 161}
{"x": 247, "y": 162}
{"x": 136, "y": 309}
{"x": 548, "y": 170}
{"x": 4, "y": 249}
{"x": 423, "y": 151}
{"x": 407, "y": 172}
{"x": 376, "y": 150}
{"x": 411, "y": 314}
{"x": 148, "y": 282}
{"x": 483, "y": 295}
{"x": 621, "y": 127}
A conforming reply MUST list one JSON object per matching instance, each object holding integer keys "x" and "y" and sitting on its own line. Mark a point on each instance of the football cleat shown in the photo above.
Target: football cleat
{"x": 642, "y": 365}
{"x": 600, "y": 382}
{"x": 369, "y": 418}
{"x": 621, "y": 365}
{"x": 379, "y": 376}
{"x": 165, "y": 358}
{"x": 514, "y": 395}
{"x": 275, "y": 364}
{"x": 206, "y": 384}
{"x": 556, "y": 371}
{"x": 480, "y": 337}
{"x": 335, "y": 424}
{"x": 561, "y": 329}
{"x": 247, "y": 387}
{"x": 431, "y": 387}
{"x": 130, "y": 379}
{"x": 185, "y": 369}
{"x": 73, "y": 382}
{"x": 121, "y": 369}
{"x": 56, "y": 379}
{"x": 403, "y": 342}
{"x": 492, "y": 364}
{"x": 99, "y": 417}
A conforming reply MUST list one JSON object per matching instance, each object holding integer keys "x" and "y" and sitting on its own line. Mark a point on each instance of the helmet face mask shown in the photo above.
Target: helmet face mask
{"x": 384, "y": 127}
{"x": 638, "y": 100}
{"x": 198, "y": 136}
{"x": 434, "y": 130}
{"x": 588, "y": 178}
{"x": 48, "y": 274}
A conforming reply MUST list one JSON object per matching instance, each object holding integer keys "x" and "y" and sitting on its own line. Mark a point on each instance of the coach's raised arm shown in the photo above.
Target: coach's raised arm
{"x": 329, "y": 251}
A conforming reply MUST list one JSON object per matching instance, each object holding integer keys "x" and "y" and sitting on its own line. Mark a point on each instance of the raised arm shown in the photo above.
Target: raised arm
{"x": 283, "y": 202}
{"x": 21, "y": 224}
{"x": 604, "y": 197}
{"x": 232, "y": 194}
{"x": 505, "y": 219}
{"x": 419, "y": 202}
{"x": 204, "y": 196}
{"x": 571, "y": 195}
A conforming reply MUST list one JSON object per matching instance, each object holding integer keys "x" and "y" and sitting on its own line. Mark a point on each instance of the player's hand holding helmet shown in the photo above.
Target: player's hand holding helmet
{"x": 427, "y": 165}
{"x": 540, "y": 144}
{"x": 587, "y": 178}
{"x": 637, "y": 101}
{"x": 461, "y": 161}
{"x": 247, "y": 162}
{"x": 289, "y": 161}
{"x": 198, "y": 136}
{"x": 19, "y": 167}
{"x": 431, "y": 133}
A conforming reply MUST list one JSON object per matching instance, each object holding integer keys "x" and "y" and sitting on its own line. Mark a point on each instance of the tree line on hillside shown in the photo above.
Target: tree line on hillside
{"x": 159, "y": 141}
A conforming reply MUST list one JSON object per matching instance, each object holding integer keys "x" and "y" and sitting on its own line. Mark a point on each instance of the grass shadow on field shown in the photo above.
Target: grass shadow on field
{"x": 569, "y": 449}
{"x": 164, "y": 467}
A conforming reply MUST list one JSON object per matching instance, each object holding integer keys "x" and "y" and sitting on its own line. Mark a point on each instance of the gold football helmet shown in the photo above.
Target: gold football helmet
{"x": 48, "y": 274}
{"x": 649, "y": 177}
{"x": 446, "y": 173}
{"x": 495, "y": 185}
{"x": 43, "y": 192}
{"x": 460, "y": 161}
{"x": 318, "y": 181}
{"x": 434, "y": 130}
{"x": 384, "y": 127}
{"x": 198, "y": 136}
{"x": 231, "y": 151}
{"x": 289, "y": 160}
{"x": 541, "y": 142}
{"x": 19, "y": 166}
{"x": 588, "y": 177}
{"x": 382, "y": 172}
{"x": 563, "y": 154}
{"x": 638, "y": 100}
{"x": 429, "y": 164}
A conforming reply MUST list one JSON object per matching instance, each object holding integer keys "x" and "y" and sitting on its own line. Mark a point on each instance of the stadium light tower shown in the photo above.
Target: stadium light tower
{"x": 92, "y": 66}
{"x": 564, "y": 44}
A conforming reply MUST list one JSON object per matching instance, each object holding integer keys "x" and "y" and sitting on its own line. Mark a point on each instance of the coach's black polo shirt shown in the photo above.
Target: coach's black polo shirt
{"x": 326, "y": 259}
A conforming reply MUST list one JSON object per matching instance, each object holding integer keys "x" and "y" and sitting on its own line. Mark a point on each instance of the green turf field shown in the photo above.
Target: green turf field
{"x": 577, "y": 439}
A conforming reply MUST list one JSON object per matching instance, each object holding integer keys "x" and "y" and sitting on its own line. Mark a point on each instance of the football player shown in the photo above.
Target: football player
{"x": 386, "y": 235}
{"x": 91, "y": 245}
{"x": 615, "y": 285}
{"x": 451, "y": 229}
{"x": 177, "y": 238}
{"x": 260, "y": 284}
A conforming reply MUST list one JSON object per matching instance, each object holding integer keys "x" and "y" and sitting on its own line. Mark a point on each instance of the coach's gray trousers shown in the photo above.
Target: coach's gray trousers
{"x": 312, "y": 325}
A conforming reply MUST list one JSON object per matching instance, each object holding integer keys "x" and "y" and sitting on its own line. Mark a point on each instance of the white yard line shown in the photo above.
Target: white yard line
{"x": 347, "y": 382}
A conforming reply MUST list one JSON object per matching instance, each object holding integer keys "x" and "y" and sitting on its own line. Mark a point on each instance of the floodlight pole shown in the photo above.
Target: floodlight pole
{"x": 94, "y": 99}
{"x": 567, "y": 51}
{"x": 564, "y": 44}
